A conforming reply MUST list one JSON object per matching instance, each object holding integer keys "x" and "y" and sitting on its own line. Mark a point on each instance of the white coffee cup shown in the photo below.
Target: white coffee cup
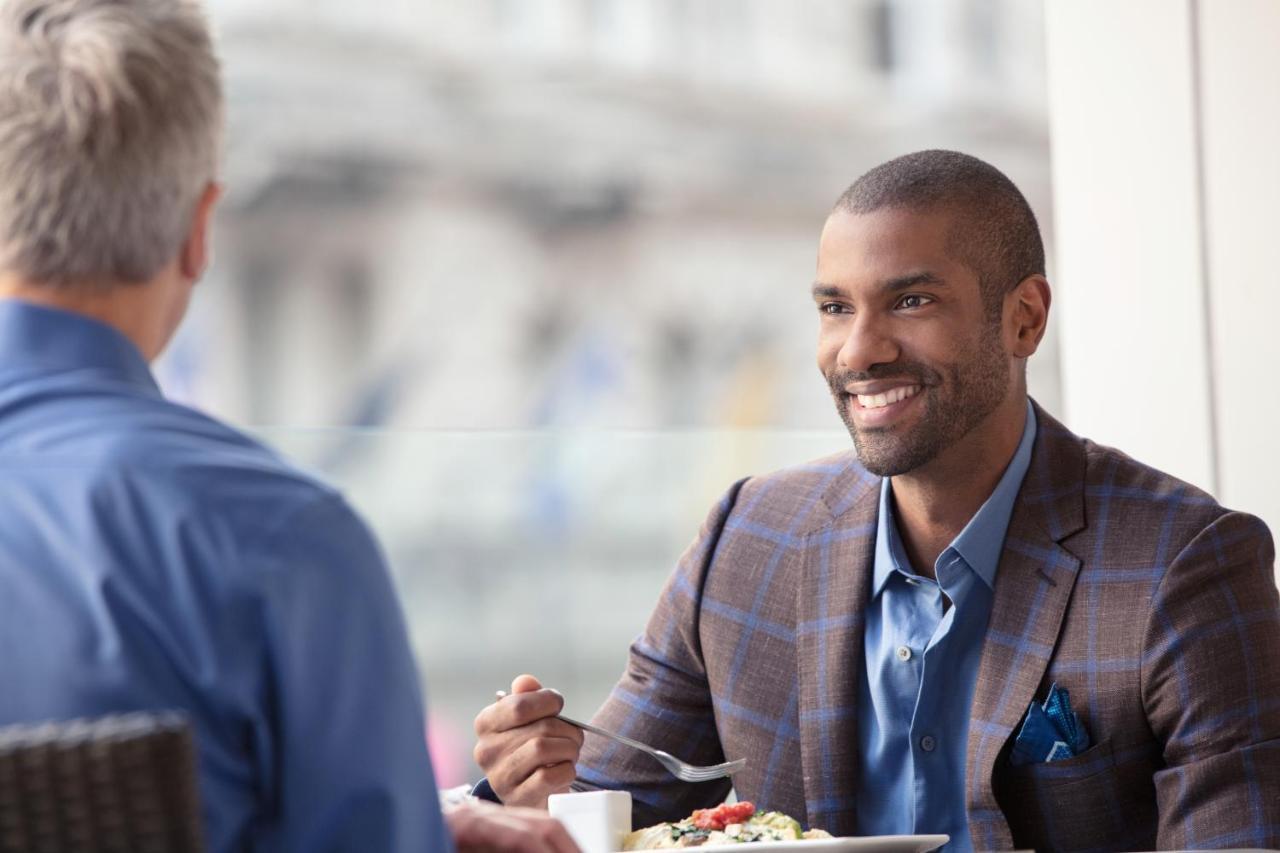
{"x": 597, "y": 820}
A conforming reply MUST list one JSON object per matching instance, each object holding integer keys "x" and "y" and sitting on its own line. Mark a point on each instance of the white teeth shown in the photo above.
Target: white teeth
{"x": 895, "y": 395}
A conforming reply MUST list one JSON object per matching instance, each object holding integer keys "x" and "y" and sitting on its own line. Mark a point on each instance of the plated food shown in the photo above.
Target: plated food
{"x": 730, "y": 823}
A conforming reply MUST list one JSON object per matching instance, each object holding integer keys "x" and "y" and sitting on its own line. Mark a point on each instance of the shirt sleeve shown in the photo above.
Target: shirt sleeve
{"x": 350, "y": 769}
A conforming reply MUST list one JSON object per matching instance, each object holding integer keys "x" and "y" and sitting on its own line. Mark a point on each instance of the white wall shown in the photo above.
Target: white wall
{"x": 1164, "y": 128}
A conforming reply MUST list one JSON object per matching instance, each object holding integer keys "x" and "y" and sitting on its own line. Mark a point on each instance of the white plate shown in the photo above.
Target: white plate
{"x": 863, "y": 844}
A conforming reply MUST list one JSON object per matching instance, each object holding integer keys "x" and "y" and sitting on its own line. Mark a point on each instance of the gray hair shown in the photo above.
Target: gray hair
{"x": 110, "y": 126}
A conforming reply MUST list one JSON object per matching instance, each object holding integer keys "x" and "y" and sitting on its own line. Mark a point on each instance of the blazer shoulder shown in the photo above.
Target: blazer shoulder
{"x": 800, "y": 498}
{"x": 1111, "y": 473}
{"x": 1152, "y": 504}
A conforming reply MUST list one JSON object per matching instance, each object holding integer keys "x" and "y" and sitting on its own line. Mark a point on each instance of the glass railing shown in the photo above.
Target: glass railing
{"x": 539, "y": 552}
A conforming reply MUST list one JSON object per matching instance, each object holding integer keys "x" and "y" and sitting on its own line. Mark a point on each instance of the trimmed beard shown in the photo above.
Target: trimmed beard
{"x": 974, "y": 387}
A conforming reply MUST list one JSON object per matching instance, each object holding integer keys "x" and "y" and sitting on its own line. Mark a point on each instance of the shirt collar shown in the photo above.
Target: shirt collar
{"x": 50, "y": 339}
{"x": 981, "y": 541}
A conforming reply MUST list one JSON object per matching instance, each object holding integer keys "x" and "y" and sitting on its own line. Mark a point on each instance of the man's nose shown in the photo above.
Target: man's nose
{"x": 867, "y": 344}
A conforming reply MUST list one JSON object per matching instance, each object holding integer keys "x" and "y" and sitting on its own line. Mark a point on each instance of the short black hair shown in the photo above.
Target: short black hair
{"x": 995, "y": 232}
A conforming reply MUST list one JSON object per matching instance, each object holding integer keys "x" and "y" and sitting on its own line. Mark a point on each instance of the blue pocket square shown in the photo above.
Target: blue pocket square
{"x": 1050, "y": 731}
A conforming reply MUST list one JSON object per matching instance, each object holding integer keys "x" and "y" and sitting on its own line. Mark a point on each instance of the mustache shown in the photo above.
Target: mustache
{"x": 840, "y": 379}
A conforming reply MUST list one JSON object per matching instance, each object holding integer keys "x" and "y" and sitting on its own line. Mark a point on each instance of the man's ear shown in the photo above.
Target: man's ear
{"x": 194, "y": 257}
{"x": 1029, "y": 302}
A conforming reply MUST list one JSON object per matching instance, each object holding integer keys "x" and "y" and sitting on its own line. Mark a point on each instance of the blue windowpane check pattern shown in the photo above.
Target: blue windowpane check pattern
{"x": 152, "y": 558}
{"x": 922, "y": 665}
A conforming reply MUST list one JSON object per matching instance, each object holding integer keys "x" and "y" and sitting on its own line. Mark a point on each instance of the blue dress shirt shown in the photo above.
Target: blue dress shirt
{"x": 151, "y": 557}
{"x": 922, "y": 664}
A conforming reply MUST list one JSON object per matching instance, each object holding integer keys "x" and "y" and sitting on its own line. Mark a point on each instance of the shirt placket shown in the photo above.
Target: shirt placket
{"x": 926, "y": 736}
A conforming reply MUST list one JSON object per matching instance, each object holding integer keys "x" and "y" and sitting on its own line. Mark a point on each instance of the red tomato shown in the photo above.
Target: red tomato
{"x": 723, "y": 815}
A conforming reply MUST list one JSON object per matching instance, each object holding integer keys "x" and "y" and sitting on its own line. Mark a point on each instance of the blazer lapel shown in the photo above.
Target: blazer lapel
{"x": 834, "y": 581}
{"x": 1033, "y": 586}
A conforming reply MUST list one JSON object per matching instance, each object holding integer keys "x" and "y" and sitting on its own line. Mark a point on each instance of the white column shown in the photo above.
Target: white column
{"x": 1164, "y": 127}
{"x": 1239, "y": 44}
{"x": 1126, "y": 206}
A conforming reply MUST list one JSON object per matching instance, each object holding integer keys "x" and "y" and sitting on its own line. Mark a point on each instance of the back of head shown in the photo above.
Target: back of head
{"x": 994, "y": 233}
{"x": 110, "y": 120}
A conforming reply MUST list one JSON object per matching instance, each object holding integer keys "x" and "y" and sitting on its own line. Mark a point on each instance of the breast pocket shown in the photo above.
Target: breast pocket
{"x": 1073, "y": 804}
{"x": 1098, "y": 758}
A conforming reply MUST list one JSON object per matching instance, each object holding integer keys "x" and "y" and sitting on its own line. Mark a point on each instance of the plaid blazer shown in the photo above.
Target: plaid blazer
{"x": 1156, "y": 607}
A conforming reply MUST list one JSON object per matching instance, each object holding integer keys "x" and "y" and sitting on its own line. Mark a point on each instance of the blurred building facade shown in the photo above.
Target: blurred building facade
{"x": 529, "y": 278}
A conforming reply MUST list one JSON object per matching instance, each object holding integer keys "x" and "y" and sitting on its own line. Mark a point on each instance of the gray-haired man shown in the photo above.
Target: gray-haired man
{"x": 151, "y": 557}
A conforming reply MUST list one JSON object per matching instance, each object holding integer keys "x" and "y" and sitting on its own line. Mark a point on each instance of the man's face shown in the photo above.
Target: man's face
{"x": 905, "y": 341}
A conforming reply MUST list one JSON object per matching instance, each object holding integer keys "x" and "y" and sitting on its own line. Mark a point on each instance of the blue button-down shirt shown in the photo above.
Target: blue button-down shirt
{"x": 922, "y": 664}
{"x": 151, "y": 557}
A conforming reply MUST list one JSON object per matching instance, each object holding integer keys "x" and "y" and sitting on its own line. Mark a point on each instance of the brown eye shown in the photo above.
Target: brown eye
{"x": 914, "y": 300}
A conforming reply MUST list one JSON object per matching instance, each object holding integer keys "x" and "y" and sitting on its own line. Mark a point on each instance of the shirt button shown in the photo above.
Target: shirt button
{"x": 928, "y": 743}
{"x": 904, "y": 654}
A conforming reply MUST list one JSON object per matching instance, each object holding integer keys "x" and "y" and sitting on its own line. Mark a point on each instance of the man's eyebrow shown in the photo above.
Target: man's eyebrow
{"x": 893, "y": 285}
{"x": 905, "y": 282}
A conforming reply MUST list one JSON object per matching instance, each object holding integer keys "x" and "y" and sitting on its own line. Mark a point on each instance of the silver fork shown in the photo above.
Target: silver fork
{"x": 680, "y": 769}
{"x": 677, "y": 768}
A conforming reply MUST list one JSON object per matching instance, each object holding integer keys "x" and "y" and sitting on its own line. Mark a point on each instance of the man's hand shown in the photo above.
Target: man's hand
{"x": 524, "y": 751}
{"x": 486, "y": 828}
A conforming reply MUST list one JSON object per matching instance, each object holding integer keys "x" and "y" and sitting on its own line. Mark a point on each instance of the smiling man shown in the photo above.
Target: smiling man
{"x": 976, "y": 624}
